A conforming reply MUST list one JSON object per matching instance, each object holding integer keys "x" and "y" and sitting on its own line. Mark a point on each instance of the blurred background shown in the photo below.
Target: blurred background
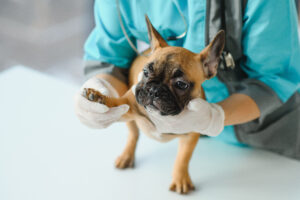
{"x": 46, "y": 35}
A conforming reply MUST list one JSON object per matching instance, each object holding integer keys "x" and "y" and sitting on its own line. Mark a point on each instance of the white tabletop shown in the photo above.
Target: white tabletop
{"x": 45, "y": 153}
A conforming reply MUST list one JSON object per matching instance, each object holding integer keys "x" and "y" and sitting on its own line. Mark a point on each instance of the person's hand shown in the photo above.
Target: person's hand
{"x": 96, "y": 115}
{"x": 199, "y": 116}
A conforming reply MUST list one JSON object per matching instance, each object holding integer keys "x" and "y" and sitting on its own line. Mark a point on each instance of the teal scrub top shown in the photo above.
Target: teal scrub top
{"x": 269, "y": 38}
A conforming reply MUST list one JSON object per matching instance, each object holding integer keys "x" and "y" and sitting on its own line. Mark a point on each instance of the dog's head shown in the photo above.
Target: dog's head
{"x": 173, "y": 75}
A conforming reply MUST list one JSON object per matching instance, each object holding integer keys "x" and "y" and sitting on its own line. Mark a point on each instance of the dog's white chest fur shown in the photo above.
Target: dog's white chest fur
{"x": 149, "y": 128}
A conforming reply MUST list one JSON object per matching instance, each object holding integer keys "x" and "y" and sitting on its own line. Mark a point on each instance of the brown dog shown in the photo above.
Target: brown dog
{"x": 172, "y": 76}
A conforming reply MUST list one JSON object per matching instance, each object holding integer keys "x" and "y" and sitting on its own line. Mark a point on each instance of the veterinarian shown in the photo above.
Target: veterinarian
{"x": 258, "y": 76}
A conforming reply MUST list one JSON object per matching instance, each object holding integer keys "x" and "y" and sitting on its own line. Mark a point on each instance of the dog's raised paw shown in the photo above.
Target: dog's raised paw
{"x": 94, "y": 95}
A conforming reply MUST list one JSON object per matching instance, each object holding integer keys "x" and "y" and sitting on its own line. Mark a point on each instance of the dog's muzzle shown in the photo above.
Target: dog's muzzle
{"x": 159, "y": 97}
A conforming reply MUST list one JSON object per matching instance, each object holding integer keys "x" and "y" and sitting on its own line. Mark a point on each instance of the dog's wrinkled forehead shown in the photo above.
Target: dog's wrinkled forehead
{"x": 167, "y": 66}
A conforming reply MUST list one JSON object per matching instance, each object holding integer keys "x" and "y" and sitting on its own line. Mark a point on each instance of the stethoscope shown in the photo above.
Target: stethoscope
{"x": 170, "y": 38}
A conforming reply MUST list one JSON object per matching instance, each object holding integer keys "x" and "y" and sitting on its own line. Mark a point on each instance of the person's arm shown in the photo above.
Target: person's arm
{"x": 120, "y": 86}
{"x": 107, "y": 43}
{"x": 271, "y": 48}
{"x": 107, "y": 52}
{"x": 238, "y": 109}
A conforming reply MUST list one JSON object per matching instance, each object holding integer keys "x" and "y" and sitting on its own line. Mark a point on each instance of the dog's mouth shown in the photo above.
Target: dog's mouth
{"x": 165, "y": 102}
{"x": 165, "y": 108}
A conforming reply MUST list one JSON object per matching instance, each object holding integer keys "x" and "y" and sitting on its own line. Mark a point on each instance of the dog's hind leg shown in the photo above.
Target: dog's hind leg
{"x": 126, "y": 159}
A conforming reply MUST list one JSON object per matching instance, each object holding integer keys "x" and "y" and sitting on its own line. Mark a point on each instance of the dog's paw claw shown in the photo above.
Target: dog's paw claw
{"x": 91, "y": 97}
{"x": 124, "y": 161}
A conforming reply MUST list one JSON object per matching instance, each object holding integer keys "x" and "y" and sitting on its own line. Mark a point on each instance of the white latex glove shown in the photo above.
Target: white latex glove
{"x": 96, "y": 115}
{"x": 199, "y": 116}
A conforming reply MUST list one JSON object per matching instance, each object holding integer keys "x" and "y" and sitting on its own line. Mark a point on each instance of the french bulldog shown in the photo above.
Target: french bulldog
{"x": 164, "y": 83}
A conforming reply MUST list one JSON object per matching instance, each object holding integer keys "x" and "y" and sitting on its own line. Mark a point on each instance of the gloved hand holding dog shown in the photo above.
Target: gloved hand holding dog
{"x": 94, "y": 114}
{"x": 199, "y": 116}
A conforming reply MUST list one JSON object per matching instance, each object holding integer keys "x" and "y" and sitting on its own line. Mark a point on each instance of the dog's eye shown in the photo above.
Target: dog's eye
{"x": 181, "y": 85}
{"x": 150, "y": 66}
{"x": 146, "y": 73}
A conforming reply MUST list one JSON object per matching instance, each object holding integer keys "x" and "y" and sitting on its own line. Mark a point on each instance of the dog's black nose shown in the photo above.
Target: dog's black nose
{"x": 154, "y": 91}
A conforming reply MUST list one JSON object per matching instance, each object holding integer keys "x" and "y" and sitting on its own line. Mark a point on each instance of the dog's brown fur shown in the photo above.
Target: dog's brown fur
{"x": 197, "y": 68}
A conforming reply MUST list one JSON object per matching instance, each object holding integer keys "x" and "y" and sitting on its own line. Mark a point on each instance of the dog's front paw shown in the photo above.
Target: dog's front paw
{"x": 93, "y": 95}
{"x": 126, "y": 160}
{"x": 182, "y": 183}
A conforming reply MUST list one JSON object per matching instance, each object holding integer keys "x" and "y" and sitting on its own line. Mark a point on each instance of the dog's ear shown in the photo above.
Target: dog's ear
{"x": 210, "y": 56}
{"x": 155, "y": 39}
